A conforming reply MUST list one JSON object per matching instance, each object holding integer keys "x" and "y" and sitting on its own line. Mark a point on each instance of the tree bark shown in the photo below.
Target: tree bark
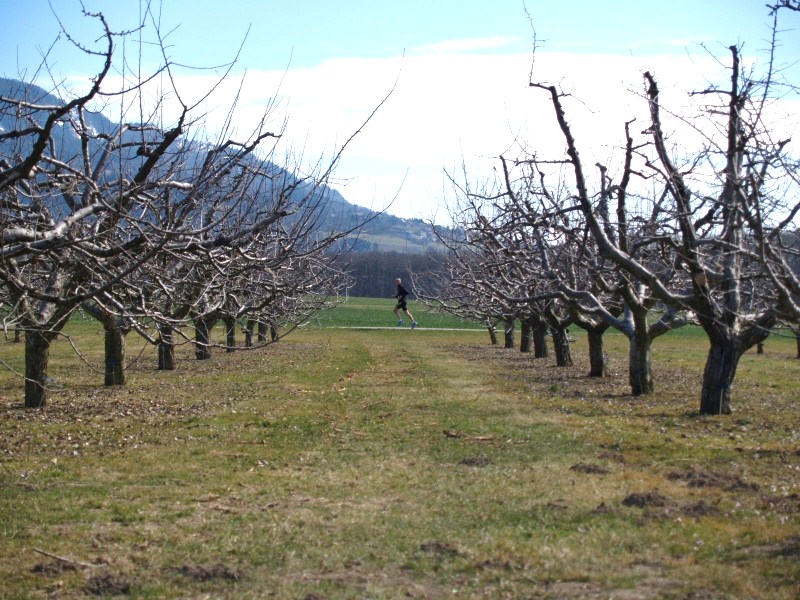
{"x": 230, "y": 333}
{"x": 640, "y": 371}
{"x": 540, "y": 340}
{"x": 262, "y": 332}
{"x": 509, "y": 331}
{"x": 598, "y": 364}
{"x": 561, "y": 345}
{"x": 493, "y": 334}
{"x": 202, "y": 339}
{"x": 797, "y": 338}
{"x": 37, "y": 356}
{"x": 248, "y": 333}
{"x": 114, "y": 353}
{"x": 526, "y": 335}
{"x": 718, "y": 375}
{"x": 273, "y": 330}
{"x": 166, "y": 349}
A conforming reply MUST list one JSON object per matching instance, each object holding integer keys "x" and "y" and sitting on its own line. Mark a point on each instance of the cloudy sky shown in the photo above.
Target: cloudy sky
{"x": 457, "y": 70}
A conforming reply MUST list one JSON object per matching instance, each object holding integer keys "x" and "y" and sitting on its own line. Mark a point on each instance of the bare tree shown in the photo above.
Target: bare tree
{"x": 722, "y": 237}
{"x": 145, "y": 222}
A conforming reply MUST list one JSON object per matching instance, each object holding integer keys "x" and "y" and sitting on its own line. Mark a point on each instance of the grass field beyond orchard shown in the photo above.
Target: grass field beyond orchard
{"x": 377, "y": 312}
{"x": 390, "y": 463}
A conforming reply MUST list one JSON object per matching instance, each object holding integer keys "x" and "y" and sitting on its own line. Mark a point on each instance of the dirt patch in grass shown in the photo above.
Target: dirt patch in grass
{"x": 440, "y": 549}
{"x": 649, "y": 588}
{"x": 475, "y": 461}
{"x": 785, "y": 548}
{"x": 589, "y": 469}
{"x": 645, "y": 500}
{"x": 787, "y": 505}
{"x": 108, "y": 584}
{"x": 207, "y": 573}
{"x": 53, "y": 568}
{"x": 701, "y": 509}
{"x": 698, "y": 478}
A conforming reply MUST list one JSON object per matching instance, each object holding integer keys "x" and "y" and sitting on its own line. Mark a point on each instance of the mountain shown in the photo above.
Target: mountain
{"x": 382, "y": 231}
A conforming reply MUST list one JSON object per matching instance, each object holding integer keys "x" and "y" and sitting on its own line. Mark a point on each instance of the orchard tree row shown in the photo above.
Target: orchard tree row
{"x": 145, "y": 223}
{"x": 697, "y": 222}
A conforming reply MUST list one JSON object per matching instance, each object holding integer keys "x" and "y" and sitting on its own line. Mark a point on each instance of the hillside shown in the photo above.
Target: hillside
{"x": 382, "y": 232}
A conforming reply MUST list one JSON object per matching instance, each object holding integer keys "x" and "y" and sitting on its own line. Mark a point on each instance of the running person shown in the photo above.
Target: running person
{"x": 402, "y": 305}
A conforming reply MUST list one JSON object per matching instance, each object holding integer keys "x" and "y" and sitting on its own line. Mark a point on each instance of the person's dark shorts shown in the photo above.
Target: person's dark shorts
{"x": 401, "y": 304}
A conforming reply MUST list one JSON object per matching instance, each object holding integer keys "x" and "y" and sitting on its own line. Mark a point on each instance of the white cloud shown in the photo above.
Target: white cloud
{"x": 466, "y": 45}
{"x": 446, "y": 107}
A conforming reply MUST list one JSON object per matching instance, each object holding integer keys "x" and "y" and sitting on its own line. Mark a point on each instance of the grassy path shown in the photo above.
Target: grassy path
{"x": 391, "y": 464}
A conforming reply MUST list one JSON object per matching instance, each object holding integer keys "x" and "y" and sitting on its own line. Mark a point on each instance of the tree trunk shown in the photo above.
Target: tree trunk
{"x": 166, "y": 349}
{"x": 509, "y": 331}
{"x": 273, "y": 330}
{"x": 640, "y": 372}
{"x": 248, "y": 333}
{"x": 230, "y": 333}
{"x": 262, "y": 332}
{"x": 114, "y": 353}
{"x": 540, "y": 340}
{"x": 720, "y": 371}
{"x": 797, "y": 338}
{"x": 597, "y": 356}
{"x": 561, "y": 345}
{"x": 493, "y": 334}
{"x": 526, "y": 335}
{"x": 37, "y": 355}
{"x": 202, "y": 339}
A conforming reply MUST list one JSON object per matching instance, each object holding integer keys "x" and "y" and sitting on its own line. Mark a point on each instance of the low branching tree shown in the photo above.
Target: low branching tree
{"x": 724, "y": 208}
{"x": 143, "y": 221}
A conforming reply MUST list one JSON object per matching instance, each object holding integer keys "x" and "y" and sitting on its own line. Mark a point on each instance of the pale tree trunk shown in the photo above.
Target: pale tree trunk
{"x": 493, "y": 333}
{"x": 262, "y": 332}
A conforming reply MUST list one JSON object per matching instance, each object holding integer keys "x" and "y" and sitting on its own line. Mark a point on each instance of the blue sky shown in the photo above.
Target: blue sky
{"x": 459, "y": 69}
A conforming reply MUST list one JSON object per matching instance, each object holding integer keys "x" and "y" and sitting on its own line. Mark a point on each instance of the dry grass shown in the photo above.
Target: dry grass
{"x": 397, "y": 464}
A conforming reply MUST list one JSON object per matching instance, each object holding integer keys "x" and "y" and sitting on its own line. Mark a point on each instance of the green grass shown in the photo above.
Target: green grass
{"x": 377, "y": 312}
{"x": 390, "y": 463}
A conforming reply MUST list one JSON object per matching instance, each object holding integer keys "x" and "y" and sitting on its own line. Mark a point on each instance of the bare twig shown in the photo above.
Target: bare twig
{"x": 62, "y": 559}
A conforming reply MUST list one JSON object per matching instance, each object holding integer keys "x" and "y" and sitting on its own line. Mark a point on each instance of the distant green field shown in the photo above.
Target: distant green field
{"x": 377, "y": 312}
